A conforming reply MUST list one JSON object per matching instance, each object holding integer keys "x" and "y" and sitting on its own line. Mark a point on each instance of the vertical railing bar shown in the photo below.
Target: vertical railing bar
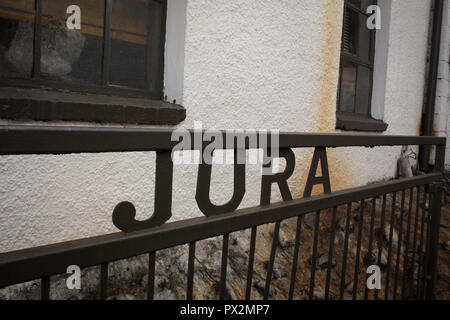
{"x": 330, "y": 254}
{"x": 273, "y": 251}
{"x": 251, "y": 261}
{"x": 416, "y": 225}
{"x": 191, "y": 267}
{"x": 295, "y": 257}
{"x": 107, "y": 43}
{"x": 399, "y": 244}
{"x": 344, "y": 258}
{"x": 37, "y": 40}
{"x": 408, "y": 230}
{"x": 380, "y": 237}
{"x": 314, "y": 254}
{"x": 151, "y": 276}
{"x": 358, "y": 250}
{"x": 389, "y": 258}
{"x": 103, "y": 280}
{"x": 434, "y": 225}
{"x": 427, "y": 245}
{"x": 45, "y": 288}
{"x": 421, "y": 253}
{"x": 372, "y": 221}
{"x": 223, "y": 270}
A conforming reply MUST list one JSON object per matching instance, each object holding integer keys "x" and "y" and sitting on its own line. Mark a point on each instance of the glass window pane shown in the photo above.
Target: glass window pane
{"x": 356, "y": 3}
{"x": 133, "y": 28}
{"x": 71, "y": 55}
{"x": 367, "y": 3}
{"x": 363, "y": 88}
{"x": 348, "y": 87}
{"x": 16, "y": 38}
{"x": 364, "y": 42}
{"x": 350, "y": 31}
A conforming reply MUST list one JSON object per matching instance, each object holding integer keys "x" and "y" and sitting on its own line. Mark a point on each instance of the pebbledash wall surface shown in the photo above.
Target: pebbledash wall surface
{"x": 243, "y": 64}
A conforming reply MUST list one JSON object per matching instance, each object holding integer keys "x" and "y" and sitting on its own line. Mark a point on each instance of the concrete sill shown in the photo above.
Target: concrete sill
{"x": 352, "y": 122}
{"x": 45, "y": 105}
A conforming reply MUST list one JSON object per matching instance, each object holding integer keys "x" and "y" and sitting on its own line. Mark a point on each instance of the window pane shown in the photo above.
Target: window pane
{"x": 16, "y": 37}
{"x": 363, "y": 90}
{"x": 364, "y": 42}
{"x": 348, "y": 87}
{"x": 131, "y": 31}
{"x": 366, "y": 3}
{"x": 72, "y": 54}
{"x": 356, "y": 3}
{"x": 350, "y": 31}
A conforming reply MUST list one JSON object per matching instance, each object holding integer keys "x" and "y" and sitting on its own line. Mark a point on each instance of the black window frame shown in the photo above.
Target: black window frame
{"x": 355, "y": 121}
{"x": 162, "y": 112}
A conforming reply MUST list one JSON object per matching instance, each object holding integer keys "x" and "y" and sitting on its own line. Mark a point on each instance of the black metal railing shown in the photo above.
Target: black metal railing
{"x": 410, "y": 269}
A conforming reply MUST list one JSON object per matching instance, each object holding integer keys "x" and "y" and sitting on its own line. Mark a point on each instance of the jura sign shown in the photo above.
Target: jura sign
{"x": 205, "y": 143}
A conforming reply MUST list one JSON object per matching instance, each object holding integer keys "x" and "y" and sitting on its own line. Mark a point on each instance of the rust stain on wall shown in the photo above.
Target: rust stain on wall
{"x": 341, "y": 172}
{"x": 330, "y": 56}
{"x": 419, "y": 128}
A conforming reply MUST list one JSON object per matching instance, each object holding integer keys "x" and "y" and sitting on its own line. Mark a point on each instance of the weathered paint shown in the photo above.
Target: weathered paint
{"x": 329, "y": 72}
{"x": 340, "y": 169}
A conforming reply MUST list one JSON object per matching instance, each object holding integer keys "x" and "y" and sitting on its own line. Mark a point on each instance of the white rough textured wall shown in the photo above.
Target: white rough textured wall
{"x": 248, "y": 64}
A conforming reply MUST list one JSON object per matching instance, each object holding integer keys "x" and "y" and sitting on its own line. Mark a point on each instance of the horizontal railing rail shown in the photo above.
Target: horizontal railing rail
{"x": 24, "y": 265}
{"x": 61, "y": 140}
{"x": 45, "y": 261}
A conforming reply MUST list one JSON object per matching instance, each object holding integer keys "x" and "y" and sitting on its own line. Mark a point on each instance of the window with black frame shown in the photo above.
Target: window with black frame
{"x": 356, "y": 69}
{"x": 117, "y": 51}
{"x": 119, "y": 43}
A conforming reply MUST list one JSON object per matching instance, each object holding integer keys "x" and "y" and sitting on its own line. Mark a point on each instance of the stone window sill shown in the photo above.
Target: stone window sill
{"x": 353, "y": 122}
{"x": 45, "y": 105}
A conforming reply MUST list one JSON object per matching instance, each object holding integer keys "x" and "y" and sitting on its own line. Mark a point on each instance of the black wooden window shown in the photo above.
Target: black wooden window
{"x": 118, "y": 51}
{"x": 356, "y": 69}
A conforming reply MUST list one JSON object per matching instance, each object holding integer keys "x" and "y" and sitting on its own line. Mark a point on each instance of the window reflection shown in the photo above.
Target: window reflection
{"x": 130, "y": 34}
{"x": 348, "y": 87}
{"x": 134, "y": 58}
{"x": 350, "y": 31}
{"x": 16, "y": 37}
{"x": 72, "y": 54}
